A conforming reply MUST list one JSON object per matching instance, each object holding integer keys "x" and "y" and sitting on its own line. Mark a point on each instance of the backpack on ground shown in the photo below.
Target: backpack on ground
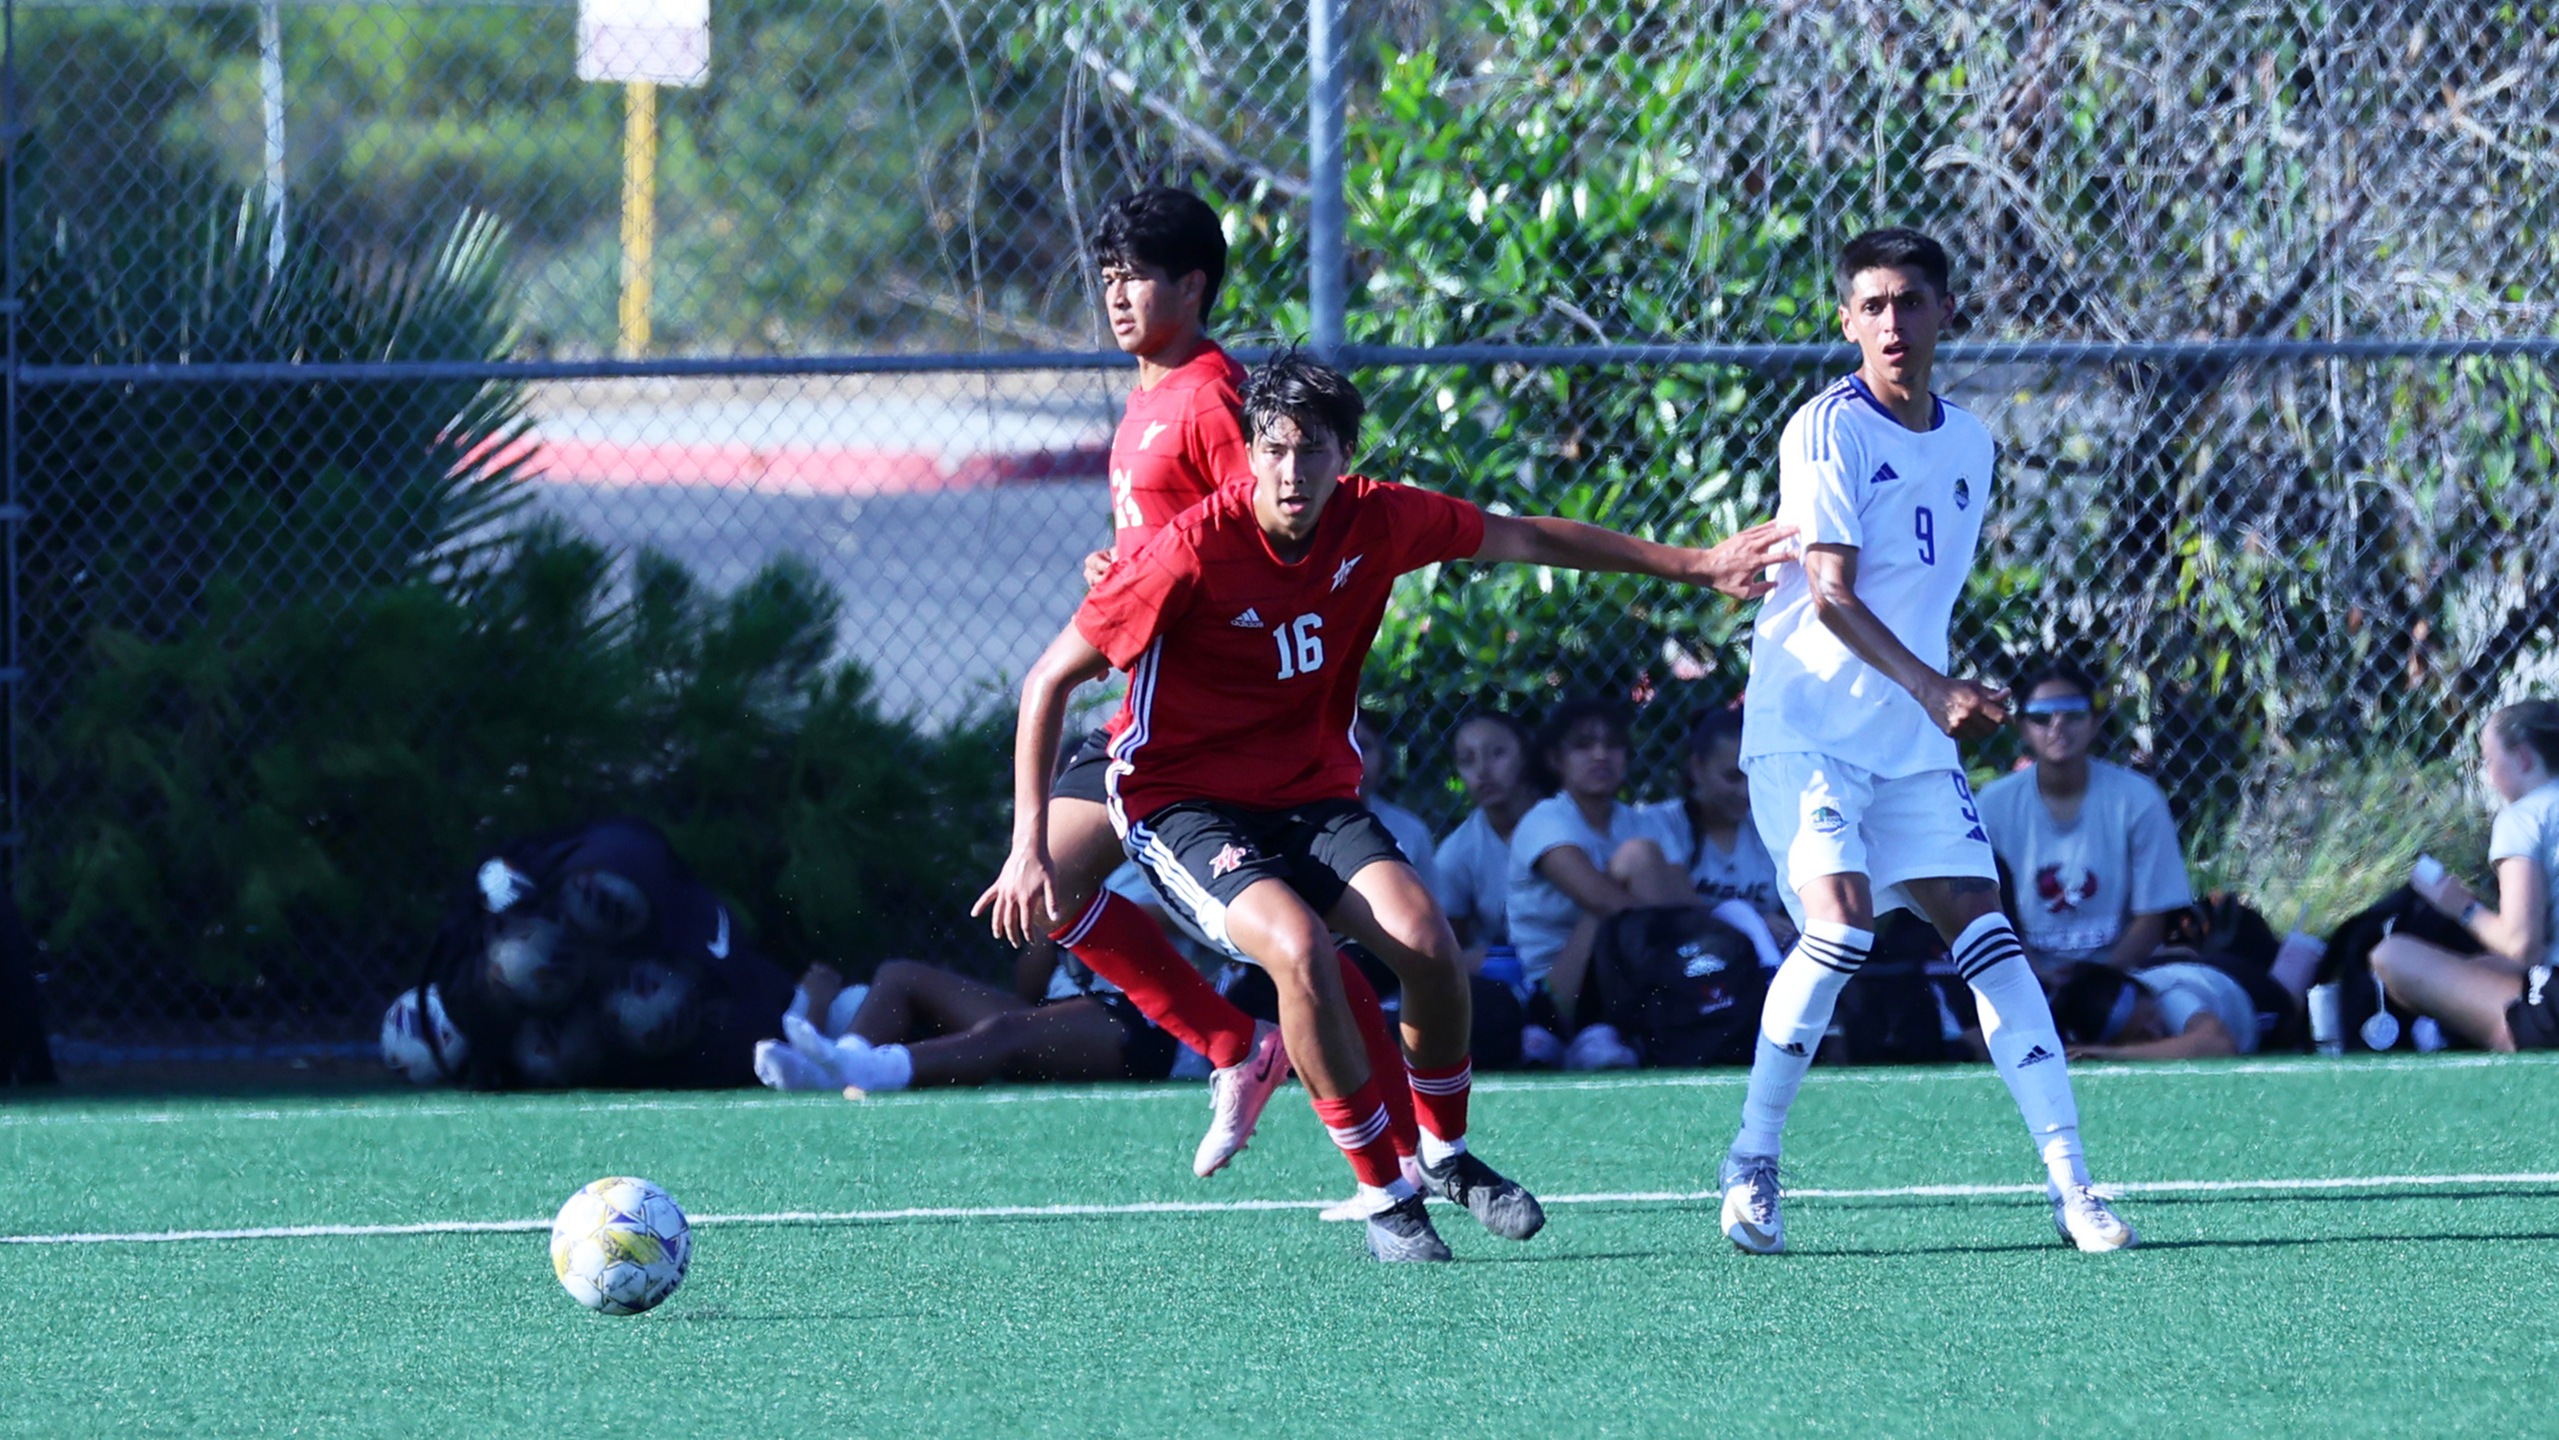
{"x": 2348, "y": 963}
{"x": 1681, "y": 986}
{"x": 26, "y": 1056}
{"x": 592, "y": 956}
{"x": 1888, "y": 1012}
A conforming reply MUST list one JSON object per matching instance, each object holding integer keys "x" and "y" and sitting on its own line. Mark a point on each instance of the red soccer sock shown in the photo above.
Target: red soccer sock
{"x": 1122, "y": 945}
{"x": 1385, "y": 1056}
{"x": 1439, "y": 1095}
{"x": 1358, "y": 1124}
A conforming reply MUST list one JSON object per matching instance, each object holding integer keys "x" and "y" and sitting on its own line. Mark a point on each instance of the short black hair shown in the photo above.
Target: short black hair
{"x": 2085, "y": 1002}
{"x": 1713, "y": 728}
{"x": 1895, "y": 247}
{"x": 2052, "y": 670}
{"x": 1558, "y": 727}
{"x": 1172, "y": 230}
{"x": 1291, "y": 385}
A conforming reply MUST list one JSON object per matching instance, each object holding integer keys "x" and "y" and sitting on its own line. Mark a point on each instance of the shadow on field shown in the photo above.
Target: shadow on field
{"x": 796, "y": 1317}
{"x": 2265, "y": 1242}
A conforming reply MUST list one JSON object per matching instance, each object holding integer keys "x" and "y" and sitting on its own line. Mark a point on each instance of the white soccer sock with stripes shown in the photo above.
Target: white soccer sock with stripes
{"x": 2017, "y": 1025}
{"x": 1791, "y": 1024}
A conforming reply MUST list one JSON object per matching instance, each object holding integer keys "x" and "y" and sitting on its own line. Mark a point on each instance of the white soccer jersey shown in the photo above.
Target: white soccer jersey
{"x": 1911, "y": 502}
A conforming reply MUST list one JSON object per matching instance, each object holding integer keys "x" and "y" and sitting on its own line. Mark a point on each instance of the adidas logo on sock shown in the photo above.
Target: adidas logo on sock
{"x": 1795, "y": 1048}
{"x": 1251, "y": 619}
{"x": 2036, "y": 1056}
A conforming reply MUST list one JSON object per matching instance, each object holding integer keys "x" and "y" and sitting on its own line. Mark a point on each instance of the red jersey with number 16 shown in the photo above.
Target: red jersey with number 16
{"x": 1244, "y": 670}
{"x": 1177, "y": 444}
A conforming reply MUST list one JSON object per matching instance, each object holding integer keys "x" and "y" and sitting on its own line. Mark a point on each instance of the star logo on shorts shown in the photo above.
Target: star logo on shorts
{"x": 1225, "y": 861}
{"x": 1342, "y": 574}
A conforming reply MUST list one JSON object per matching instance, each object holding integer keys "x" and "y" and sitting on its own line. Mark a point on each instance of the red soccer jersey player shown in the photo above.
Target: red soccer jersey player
{"x": 1162, "y": 257}
{"x": 1243, "y": 626}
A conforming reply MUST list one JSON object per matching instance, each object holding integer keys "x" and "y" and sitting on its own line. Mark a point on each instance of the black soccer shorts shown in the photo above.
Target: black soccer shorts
{"x": 1087, "y": 772}
{"x": 1202, "y": 855}
{"x": 2534, "y": 1017}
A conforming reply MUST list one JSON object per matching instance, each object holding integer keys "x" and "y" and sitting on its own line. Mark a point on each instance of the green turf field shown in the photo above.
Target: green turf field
{"x": 2419, "y": 1298}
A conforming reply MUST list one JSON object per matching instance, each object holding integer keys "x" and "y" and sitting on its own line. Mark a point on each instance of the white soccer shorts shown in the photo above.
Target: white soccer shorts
{"x": 1820, "y": 816}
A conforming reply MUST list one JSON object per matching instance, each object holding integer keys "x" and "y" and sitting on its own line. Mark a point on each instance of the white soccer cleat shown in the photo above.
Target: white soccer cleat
{"x": 1751, "y": 1217}
{"x": 783, "y": 1068}
{"x": 2082, "y": 1218}
{"x": 1236, "y": 1096}
{"x": 1356, "y": 1207}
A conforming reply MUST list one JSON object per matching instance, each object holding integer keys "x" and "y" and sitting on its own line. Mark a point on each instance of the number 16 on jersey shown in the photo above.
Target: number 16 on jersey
{"x": 1301, "y": 649}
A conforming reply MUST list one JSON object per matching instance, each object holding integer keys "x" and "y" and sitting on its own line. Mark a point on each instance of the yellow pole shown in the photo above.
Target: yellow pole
{"x": 639, "y": 212}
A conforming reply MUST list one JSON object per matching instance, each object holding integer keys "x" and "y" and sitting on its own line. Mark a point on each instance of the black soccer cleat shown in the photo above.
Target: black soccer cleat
{"x": 1402, "y": 1231}
{"x": 1502, "y": 1206}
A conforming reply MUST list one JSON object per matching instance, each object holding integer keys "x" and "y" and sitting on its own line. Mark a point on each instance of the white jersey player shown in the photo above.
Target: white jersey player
{"x": 1849, "y": 734}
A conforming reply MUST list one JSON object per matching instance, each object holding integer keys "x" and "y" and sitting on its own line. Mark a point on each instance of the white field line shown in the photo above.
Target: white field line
{"x": 2306, "y": 1065}
{"x": 1241, "y": 1207}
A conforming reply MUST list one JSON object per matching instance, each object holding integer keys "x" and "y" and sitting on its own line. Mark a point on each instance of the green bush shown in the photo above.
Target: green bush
{"x": 310, "y": 792}
{"x": 301, "y": 660}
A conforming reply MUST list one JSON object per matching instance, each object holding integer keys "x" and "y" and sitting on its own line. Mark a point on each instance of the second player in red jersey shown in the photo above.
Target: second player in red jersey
{"x": 1242, "y": 626}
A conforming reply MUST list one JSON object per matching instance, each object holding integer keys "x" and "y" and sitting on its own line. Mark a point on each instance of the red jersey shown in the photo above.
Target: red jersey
{"x": 1243, "y": 670}
{"x": 1177, "y": 444}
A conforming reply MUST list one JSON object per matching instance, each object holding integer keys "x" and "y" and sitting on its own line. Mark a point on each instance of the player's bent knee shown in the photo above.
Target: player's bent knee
{"x": 900, "y": 973}
{"x": 1634, "y": 858}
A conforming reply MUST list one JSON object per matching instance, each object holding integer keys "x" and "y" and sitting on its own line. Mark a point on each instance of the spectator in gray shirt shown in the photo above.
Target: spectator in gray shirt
{"x": 2090, "y": 844}
{"x": 1490, "y": 750}
{"x": 2501, "y": 998}
{"x": 2184, "y": 1010}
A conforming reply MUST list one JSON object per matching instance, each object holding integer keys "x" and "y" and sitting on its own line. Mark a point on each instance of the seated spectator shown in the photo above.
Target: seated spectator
{"x": 1711, "y": 824}
{"x": 1376, "y": 767}
{"x": 1580, "y": 856}
{"x": 2501, "y": 998}
{"x": 2094, "y": 852}
{"x": 1473, "y": 861}
{"x": 2182, "y": 1010}
{"x": 921, "y": 1025}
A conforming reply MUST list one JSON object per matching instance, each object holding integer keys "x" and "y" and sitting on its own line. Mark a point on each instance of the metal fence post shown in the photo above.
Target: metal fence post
{"x": 1327, "y": 277}
{"x": 13, "y": 510}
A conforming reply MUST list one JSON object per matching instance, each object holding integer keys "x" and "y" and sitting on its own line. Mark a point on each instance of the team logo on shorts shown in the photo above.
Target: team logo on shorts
{"x": 1826, "y": 821}
{"x": 1225, "y": 861}
{"x": 1963, "y": 493}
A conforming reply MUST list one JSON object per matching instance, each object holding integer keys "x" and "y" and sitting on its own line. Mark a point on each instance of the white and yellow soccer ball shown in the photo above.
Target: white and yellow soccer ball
{"x": 621, "y": 1245}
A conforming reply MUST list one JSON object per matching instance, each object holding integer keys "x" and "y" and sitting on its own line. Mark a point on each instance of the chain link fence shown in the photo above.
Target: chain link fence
{"x": 2254, "y": 294}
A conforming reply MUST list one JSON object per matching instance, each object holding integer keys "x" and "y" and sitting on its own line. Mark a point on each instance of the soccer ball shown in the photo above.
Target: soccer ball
{"x": 620, "y": 1245}
{"x": 404, "y": 1038}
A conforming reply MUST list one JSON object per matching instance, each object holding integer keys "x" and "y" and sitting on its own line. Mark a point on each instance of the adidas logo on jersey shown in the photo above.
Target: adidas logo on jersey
{"x": 1882, "y": 474}
{"x": 1251, "y": 619}
{"x": 2036, "y": 1056}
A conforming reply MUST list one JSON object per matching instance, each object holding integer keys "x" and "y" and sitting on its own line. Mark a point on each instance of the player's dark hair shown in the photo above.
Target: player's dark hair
{"x": 1713, "y": 728}
{"x": 1558, "y": 728}
{"x": 1171, "y": 230}
{"x": 2533, "y": 723}
{"x": 1895, "y": 247}
{"x": 2052, "y": 670}
{"x": 1293, "y": 386}
{"x": 2085, "y": 1007}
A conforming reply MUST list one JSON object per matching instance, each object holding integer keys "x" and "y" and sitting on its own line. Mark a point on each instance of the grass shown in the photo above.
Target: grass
{"x": 2358, "y": 1309}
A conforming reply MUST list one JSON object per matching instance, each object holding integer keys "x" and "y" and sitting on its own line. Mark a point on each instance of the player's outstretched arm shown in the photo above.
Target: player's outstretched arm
{"x": 1964, "y": 709}
{"x": 1737, "y": 567}
{"x": 1023, "y": 899}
